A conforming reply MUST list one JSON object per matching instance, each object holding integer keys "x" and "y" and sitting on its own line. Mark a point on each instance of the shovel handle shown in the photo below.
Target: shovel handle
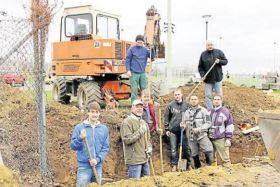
{"x": 150, "y": 159}
{"x": 201, "y": 80}
{"x": 160, "y": 140}
{"x": 181, "y": 145}
{"x": 90, "y": 158}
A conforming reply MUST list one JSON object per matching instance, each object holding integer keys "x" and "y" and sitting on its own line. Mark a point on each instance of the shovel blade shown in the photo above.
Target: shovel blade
{"x": 182, "y": 165}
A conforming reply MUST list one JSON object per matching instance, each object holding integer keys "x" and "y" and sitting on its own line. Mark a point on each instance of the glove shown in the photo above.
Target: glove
{"x": 159, "y": 131}
{"x": 143, "y": 129}
{"x": 227, "y": 143}
{"x": 196, "y": 130}
{"x": 167, "y": 133}
{"x": 149, "y": 151}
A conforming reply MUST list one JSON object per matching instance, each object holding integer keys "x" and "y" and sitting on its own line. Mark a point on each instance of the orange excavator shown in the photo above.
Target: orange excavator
{"x": 89, "y": 60}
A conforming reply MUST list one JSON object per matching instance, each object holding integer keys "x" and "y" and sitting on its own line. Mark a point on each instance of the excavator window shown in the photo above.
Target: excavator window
{"x": 78, "y": 24}
{"x": 107, "y": 27}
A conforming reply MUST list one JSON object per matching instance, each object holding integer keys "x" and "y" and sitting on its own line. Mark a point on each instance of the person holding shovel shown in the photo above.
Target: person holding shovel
{"x": 213, "y": 81}
{"x": 172, "y": 120}
{"x": 136, "y": 146}
{"x": 90, "y": 140}
{"x": 196, "y": 121}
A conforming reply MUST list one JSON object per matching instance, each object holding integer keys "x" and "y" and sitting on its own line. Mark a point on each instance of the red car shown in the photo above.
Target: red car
{"x": 13, "y": 79}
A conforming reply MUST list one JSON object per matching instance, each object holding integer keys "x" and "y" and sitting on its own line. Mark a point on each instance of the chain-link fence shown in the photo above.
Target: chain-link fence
{"x": 22, "y": 62}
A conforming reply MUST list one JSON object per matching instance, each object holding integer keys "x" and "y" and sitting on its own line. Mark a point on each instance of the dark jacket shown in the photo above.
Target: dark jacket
{"x": 206, "y": 60}
{"x": 173, "y": 115}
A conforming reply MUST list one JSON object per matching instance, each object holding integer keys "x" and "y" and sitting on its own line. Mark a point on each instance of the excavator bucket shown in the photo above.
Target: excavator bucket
{"x": 269, "y": 123}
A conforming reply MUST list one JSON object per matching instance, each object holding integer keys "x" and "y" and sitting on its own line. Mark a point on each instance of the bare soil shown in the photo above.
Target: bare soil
{"x": 19, "y": 140}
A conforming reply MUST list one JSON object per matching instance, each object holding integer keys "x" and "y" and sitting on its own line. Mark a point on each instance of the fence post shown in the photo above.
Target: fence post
{"x": 39, "y": 53}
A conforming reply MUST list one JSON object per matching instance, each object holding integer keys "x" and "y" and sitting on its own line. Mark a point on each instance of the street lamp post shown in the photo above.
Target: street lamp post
{"x": 206, "y": 18}
{"x": 274, "y": 56}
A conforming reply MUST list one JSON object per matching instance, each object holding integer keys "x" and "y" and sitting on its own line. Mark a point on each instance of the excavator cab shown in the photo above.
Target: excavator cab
{"x": 87, "y": 20}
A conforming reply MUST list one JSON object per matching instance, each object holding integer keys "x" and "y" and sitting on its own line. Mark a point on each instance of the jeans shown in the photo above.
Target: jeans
{"x": 209, "y": 87}
{"x": 85, "y": 175}
{"x": 208, "y": 157}
{"x": 139, "y": 170}
{"x": 175, "y": 143}
{"x": 135, "y": 80}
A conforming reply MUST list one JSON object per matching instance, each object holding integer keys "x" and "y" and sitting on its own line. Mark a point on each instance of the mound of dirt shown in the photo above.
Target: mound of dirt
{"x": 19, "y": 140}
{"x": 250, "y": 174}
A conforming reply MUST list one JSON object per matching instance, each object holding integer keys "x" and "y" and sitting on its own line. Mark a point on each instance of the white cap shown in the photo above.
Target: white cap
{"x": 137, "y": 102}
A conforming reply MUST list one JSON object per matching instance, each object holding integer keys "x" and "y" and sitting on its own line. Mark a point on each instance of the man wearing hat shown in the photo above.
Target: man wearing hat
{"x": 136, "y": 62}
{"x": 136, "y": 150}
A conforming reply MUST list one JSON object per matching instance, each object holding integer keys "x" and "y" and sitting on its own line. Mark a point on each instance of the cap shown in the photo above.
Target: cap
{"x": 137, "y": 102}
{"x": 139, "y": 37}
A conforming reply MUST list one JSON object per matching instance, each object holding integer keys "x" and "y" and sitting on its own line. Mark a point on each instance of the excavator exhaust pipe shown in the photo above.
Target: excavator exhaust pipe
{"x": 269, "y": 124}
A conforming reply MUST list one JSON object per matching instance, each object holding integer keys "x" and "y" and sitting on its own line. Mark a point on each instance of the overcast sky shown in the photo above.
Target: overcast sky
{"x": 247, "y": 28}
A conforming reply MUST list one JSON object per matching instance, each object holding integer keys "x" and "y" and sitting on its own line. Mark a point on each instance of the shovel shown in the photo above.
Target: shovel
{"x": 90, "y": 158}
{"x": 187, "y": 98}
{"x": 182, "y": 163}
{"x": 157, "y": 181}
{"x": 160, "y": 140}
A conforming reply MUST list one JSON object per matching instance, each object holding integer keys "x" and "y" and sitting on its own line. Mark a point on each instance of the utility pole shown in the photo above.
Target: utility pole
{"x": 169, "y": 43}
{"x": 274, "y": 56}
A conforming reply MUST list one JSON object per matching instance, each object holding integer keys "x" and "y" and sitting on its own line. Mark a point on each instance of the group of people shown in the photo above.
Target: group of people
{"x": 203, "y": 129}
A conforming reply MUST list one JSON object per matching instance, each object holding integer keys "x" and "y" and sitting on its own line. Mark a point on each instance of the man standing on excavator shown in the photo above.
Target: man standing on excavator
{"x": 136, "y": 62}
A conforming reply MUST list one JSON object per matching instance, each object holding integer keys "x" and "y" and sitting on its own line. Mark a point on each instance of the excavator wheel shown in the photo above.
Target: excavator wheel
{"x": 59, "y": 91}
{"x": 89, "y": 92}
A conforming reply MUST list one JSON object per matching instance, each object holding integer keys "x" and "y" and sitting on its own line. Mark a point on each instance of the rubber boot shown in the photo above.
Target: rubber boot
{"x": 196, "y": 160}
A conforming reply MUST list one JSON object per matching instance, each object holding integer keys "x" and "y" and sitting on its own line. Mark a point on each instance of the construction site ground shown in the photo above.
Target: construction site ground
{"x": 19, "y": 144}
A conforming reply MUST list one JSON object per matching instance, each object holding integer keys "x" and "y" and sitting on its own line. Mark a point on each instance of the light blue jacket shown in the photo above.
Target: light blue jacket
{"x": 99, "y": 145}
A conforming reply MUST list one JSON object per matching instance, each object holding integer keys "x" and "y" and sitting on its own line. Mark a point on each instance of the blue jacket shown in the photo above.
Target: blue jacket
{"x": 136, "y": 59}
{"x": 98, "y": 148}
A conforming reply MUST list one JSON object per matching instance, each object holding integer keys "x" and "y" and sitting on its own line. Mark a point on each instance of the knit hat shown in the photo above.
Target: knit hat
{"x": 140, "y": 37}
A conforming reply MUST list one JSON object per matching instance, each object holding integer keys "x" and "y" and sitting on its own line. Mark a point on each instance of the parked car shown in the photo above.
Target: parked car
{"x": 13, "y": 79}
